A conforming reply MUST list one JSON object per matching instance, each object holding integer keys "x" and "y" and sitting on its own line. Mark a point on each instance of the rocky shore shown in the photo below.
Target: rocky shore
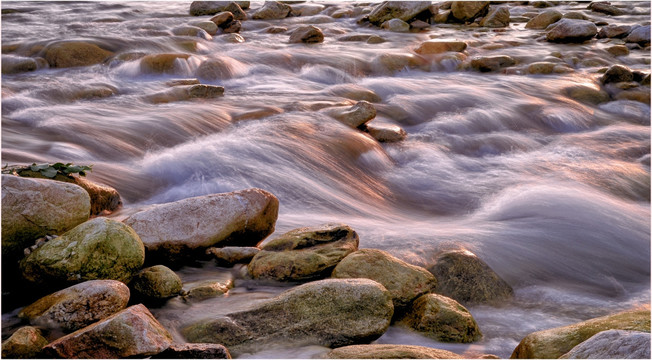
{"x": 83, "y": 283}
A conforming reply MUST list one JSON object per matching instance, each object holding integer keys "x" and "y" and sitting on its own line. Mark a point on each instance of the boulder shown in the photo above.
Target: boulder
{"x": 436, "y": 46}
{"x": 405, "y": 282}
{"x": 496, "y": 18}
{"x": 639, "y": 35}
{"x": 464, "y": 277}
{"x": 390, "y": 351}
{"x": 617, "y": 73}
{"x": 198, "y": 8}
{"x": 613, "y": 344}
{"x": 544, "y": 19}
{"x": 17, "y": 64}
{"x": 491, "y": 63}
{"x": 157, "y": 282}
{"x": 442, "y": 17}
{"x": 233, "y": 27}
{"x": 541, "y": 67}
{"x": 553, "y": 343}
{"x": 223, "y": 19}
{"x": 605, "y": 8}
{"x": 206, "y": 289}
{"x": 194, "y": 351}
{"x": 24, "y": 343}
{"x": 614, "y": 31}
{"x": 575, "y": 15}
{"x": 587, "y": 94}
{"x": 209, "y": 26}
{"x": 403, "y": 10}
{"x": 78, "y": 306}
{"x": 100, "y": 248}
{"x": 162, "y": 63}
{"x": 304, "y": 253}
{"x": 332, "y": 313}
{"x": 272, "y": 10}
{"x": 75, "y": 53}
{"x": 396, "y": 25}
{"x": 133, "y": 332}
{"x": 354, "y": 92}
{"x": 571, "y": 30}
{"x": 386, "y": 133}
{"x": 307, "y": 34}
{"x": 618, "y": 50}
{"x": 392, "y": 62}
{"x": 354, "y": 116}
{"x": 169, "y": 231}
{"x": 231, "y": 255}
{"x": 217, "y": 68}
{"x": 467, "y": 11}
{"x": 441, "y": 318}
{"x": 32, "y": 208}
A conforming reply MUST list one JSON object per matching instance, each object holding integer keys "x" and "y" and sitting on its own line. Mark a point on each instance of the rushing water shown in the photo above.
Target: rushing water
{"x": 552, "y": 193}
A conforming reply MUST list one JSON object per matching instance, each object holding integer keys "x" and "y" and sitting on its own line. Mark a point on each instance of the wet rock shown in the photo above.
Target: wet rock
{"x": 355, "y": 116}
{"x": 308, "y": 34}
{"x": 375, "y": 39}
{"x": 78, "y": 306}
{"x": 541, "y": 67}
{"x": 553, "y": 343}
{"x": 355, "y": 37}
{"x": 639, "y": 35}
{"x": 233, "y": 38}
{"x": 618, "y": 50}
{"x": 75, "y": 53}
{"x": 175, "y": 230}
{"x": 304, "y": 253}
{"x": 442, "y": 17}
{"x": 100, "y": 248}
{"x": 418, "y": 24}
{"x": 263, "y": 112}
{"x": 587, "y": 94}
{"x": 198, "y": 8}
{"x": 404, "y": 282}
{"x": 639, "y": 95}
{"x": 462, "y": 276}
{"x": 613, "y": 344}
{"x": 32, "y": 208}
{"x": 162, "y": 63}
{"x": 467, "y": 11}
{"x": 16, "y": 64}
{"x": 542, "y": 4}
{"x": 194, "y": 351}
{"x": 436, "y": 46}
{"x": 184, "y": 93}
{"x": 614, "y": 31}
{"x": 491, "y": 63}
{"x": 496, "y": 18}
{"x": 209, "y": 26}
{"x": 133, "y": 332}
{"x": 391, "y": 62}
{"x": 571, "y": 30}
{"x": 231, "y": 255}
{"x": 403, "y": 10}
{"x": 575, "y": 15}
{"x": 24, "y": 343}
{"x": 617, "y": 73}
{"x": 605, "y": 8}
{"x": 310, "y": 9}
{"x": 544, "y": 19}
{"x": 390, "y": 351}
{"x": 354, "y": 92}
{"x": 217, "y": 68}
{"x": 206, "y": 289}
{"x": 386, "y": 133}
{"x": 157, "y": 282}
{"x": 332, "y": 313}
{"x": 272, "y": 10}
{"x": 191, "y": 31}
{"x": 276, "y": 29}
{"x": 396, "y": 25}
{"x": 223, "y": 19}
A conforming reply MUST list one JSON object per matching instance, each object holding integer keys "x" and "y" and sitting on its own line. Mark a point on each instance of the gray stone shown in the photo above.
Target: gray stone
{"x": 613, "y": 344}
{"x": 614, "y": 31}
{"x": 605, "y": 8}
{"x": 403, "y": 10}
{"x": 544, "y": 19}
{"x": 231, "y": 255}
{"x": 390, "y": 351}
{"x": 396, "y": 25}
{"x": 198, "y": 8}
{"x": 639, "y": 35}
{"x": 272, "y": 10}
{"x": 158, "y": 282}
{"x": 354, "y": 116}
{"x": 194, "y": 351}
{"x": 308, "y": 34}
{"x": 496, "y": 18}
{"x": 571, "y": 30}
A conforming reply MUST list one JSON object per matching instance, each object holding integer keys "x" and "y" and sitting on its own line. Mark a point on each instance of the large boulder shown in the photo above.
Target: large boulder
{"x": 272, "y": 10}
{"x": 390, "y": 351}
{"x": 496, "y": 18}
{"x": 404, "y": 10}
{"x": 613, "y": 344}
{"x": 572, "y": 30}
{"x": 157, "y": 282}
{"x": 639, "y": 35}
{"x": 332, "y": 313}
{"x": 78, "y": 306}
{"x": 307, "y": 34}
{"x": 175, "y": 230}
{"x": 100, "y": 248}
{"x": 24, "y": 343}
{"x": 304, "y": 253}
{"x": 553, "y": 343}
{"x": 467, "y": 11}
{"x": 133, "y": 332}
{"x": 544, "y": 19}
{"x": 437, "y": 46}
{"x": 194, "y": 351}
{"x": 32, "y": 208}
{"x": 463, "y": 276}
{"x": 354, "y": 116}
{"x": 75, "y": 53}
{"x": 405, "y": 282}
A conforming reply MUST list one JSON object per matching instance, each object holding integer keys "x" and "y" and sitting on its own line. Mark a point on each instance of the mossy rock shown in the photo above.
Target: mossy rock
{"x": 24, "y": 343}
{"x": 157, "y": 282}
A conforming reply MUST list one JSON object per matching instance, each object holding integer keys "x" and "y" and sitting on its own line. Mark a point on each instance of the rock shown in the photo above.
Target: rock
{"x": 191, "y": 31}
{"x": 183, "y": 93}
{"x": 354, "y": 92}
{"x": 209, "y": 26}
{"x": 133, "y": 332}
{"x": 542, "y": 4}
{"x": 391, "y": 62}
{"x": 396, "y": 25}
{"x": 276, "y": 29}
{"x": 467, "y": 11}
{"x": 462, "y": 276}
{"x": 403, "y": 10}
{"x": 355, "y": 37}
{"x": 442, "y": 17}
{"x": 233, "y": 38}
{"x": 605, "y": 8}
{"x": 496, "y": 18}
{"x": 78, "y": 306}
{"x": 162, "y": 63}
{"x": 618, "y": 50}
{"x": 441, "y": 318}
{"x": 613, "y": 344}
{"x": 17, "y": 64}
{"x": 553, "y": 343}
{"x": 223, "y": 19}
{"x": 307, "y": 34}
{"x": 355, "y": 116}
{"x": 390, "y": 351}
{"x": 491, "y": 63}
{"x": 33, "y": 208}
{"x": 304, "y": 253}
{"x": 571, "y": 30}
{"x": 386, "y": 133}
{"x": 169, "y": 231}
{"x": 272, "y": 10}
{"x": 231, "y": 255}
{"x": 639, "y": 35}
{"x": 544, "y": 19}
{"x": 617, "y": 73}
{"x": 100, "y": 248}
{"x": 375, "y": 39}
{"x": 419, "y": 24}
{"x": 198, "y": 8}
{"x": 217, "y": 68}
{"x": 639, "y": 95}
{"x": 332, "y": 313}
{"x": 194, "y": 351}
{"x": 206, "y": 289}
{"x": 587, "y": 94}
{"x": 233, "y": 27}
{"x": 310, "y": 9}
{"x": 24, "y": 343}
{"x": 157, "y": 282}
{"x": 404, "y": 282}
{"x": 75, "y": 53}
{"x": 436, "y": 46}
{"x": 575, "y": 15}
{"x": 541, "y": 67}
{"x": 614, "y": 31}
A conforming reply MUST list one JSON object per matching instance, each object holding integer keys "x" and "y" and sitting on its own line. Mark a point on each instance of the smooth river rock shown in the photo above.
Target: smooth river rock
{"x": 353, "y": 116}
{"x": 544, "y": 19}
{"x": 24, "y": 343}
{"x": 75, "y": 53}
{"x": 395, "y": 25}
{"x": 307, "y": 34}
{"x": 272, "y": 10}
{"x": 231, "y": 255}
{"x": 572, "y": 30}
{"x": 496, "y": 18}
{"x": 639, "y": 35}
{"x": 403, "y": 10}
{"x": 436, "y": 46}
{"x": 194, "y": 351}
{"x": 614, "y": 31}
{"x": 390, "y": 351}
{"x": 157, "y": 282}
{"x": 467, "y": 11}
{"x": 386, "y": 133}
{"x": 332, "y": 313}
{"x": 491, "y": 63}
{"x": 613, "y": 344}
{"x": 617, "y": 73}
{"x": 198, "y": 8}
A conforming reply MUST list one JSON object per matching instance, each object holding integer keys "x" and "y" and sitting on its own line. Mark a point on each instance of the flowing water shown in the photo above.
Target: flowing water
{"x": 552, "y": 193}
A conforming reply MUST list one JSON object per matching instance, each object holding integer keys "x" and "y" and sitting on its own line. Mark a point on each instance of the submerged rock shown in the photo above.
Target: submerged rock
{"x": 194, "y": 351}
{"x": 396, "y": 25}
{"x": 618, "y": 50}
{"x": 162, "y": 63}
{"x": 272, "y": 10}
{"x": 209, "y": 26}
{"x": 587, "y": 94}
{"x": 231, "y": 255}
{"x": 355, "y": 116}
{"x": 217, "y": 68}
{"x": 613, "y": 344}
{"x": 496, "y": 18}
{"x": 157, "y": 282}
{"x": 24, "y": 343}
{"x": 639, "y": 35}
{"x": 439, "y": 46}
{"x": 390, "y": 62}
{"x": 206, "y": 289}
{"x": 467, "y": 11}
{"x": 354, "y": 92}
{"x": 491, "y": 63}
{"x": 605, "y": 8}
{"x": 572, "y": 30}
{"x": 75, "y": 53}
{"x": 541, "y": 67}
{"x": 617, "y": 73}
{"x": 544, "y": 19}
{"x": 386, "y": 133}
{"x": 614, "y": 31}
{"x": 403, "y": 10}
{"x": 390, "y": 351}
{"x": 307, "y": 34}
{"x": 14, "y": 64}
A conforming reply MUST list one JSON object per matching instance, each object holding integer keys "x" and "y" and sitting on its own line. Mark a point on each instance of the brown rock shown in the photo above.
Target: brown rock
{"x": 496, "y": 18}
{"x": 390, "y": 351}
{"x": 231, "y": 255}
{"x": 605, "y": 8}
{"x": 617, "y": 73}
{"x": 75, "y": 53}
{"x": 467, "y": 11}
{"x": 307, "y": 34}
{"x": 614, "y": 31}
{"x": 161, "y": 63}
{"x": 194, "y": 351}
{"x": 439, "y": 46}
{"x": 24, "y": 343}
{"x": 491, "y": 63}
{"x": 223, "y": 19}
{"x": 544, "y": 19}
{"x": 618, "y": 50}
{"x": 272, "y": 10}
